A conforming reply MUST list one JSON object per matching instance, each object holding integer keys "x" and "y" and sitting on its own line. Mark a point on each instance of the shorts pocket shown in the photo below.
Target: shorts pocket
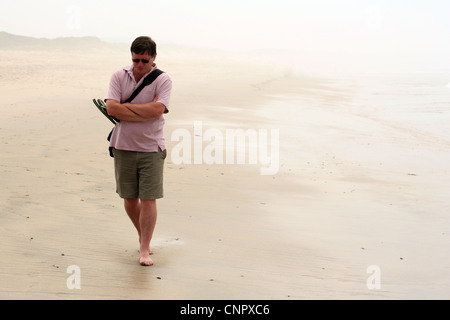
{"x": 163, "y": 153}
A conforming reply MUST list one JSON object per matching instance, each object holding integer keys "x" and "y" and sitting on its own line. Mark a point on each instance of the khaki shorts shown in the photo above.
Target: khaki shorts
{"x": 139, "y": 174}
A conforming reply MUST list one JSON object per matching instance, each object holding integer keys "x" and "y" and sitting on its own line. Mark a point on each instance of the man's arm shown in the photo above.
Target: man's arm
{"x": 150, "y": 110}
{"x": 135, "y": 111}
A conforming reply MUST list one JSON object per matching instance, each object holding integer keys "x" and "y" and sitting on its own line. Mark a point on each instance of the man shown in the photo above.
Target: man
{"x": 138, "y": 141}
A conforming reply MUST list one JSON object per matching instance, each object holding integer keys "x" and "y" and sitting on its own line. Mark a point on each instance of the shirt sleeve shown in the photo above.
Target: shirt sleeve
{"x": 163, "y": 91}
{"x": 114, "y": 91}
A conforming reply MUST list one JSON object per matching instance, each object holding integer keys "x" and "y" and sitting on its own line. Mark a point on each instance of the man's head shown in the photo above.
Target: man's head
{"x": 142, "y": 45}
{"x": 143, "y": 54}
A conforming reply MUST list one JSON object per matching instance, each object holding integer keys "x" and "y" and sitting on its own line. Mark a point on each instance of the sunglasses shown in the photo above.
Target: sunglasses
{"x": 144, "y": 61}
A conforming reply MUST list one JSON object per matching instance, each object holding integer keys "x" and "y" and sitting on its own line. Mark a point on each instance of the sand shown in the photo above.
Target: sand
{"x": 358, "y": 199}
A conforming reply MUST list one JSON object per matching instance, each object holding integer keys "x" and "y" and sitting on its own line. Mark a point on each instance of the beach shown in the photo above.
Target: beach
{"x": 354, "y": 206}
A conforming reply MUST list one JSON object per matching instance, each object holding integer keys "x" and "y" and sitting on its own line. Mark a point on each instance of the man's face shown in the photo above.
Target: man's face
{"x": 142, "y": 63}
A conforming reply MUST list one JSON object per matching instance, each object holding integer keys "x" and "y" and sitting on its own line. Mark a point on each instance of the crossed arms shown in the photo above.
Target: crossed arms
{"x": 137, "y": 112}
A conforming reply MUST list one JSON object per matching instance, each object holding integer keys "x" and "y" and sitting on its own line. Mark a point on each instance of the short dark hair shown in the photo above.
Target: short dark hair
{"x": 142, "y": 45}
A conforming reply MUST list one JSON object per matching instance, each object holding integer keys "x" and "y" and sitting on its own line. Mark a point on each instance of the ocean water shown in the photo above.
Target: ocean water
{"x": 419, "y": 101}
{"x": 346, "y": 115}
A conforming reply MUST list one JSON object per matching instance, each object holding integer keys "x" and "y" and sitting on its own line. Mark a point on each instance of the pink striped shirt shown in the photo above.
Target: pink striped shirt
{"x": 139, "y": 136}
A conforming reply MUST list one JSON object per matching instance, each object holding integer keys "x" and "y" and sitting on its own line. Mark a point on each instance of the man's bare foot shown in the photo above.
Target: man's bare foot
{"x": 145, "y": 260}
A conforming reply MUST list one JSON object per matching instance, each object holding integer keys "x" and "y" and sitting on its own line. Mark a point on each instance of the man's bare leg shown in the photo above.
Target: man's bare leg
{"x": 133, "y": 209}
{"x": 147, "y": 222}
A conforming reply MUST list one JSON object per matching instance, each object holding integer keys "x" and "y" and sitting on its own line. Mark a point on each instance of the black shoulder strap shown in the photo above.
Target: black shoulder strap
{"x": 147, "y": 81}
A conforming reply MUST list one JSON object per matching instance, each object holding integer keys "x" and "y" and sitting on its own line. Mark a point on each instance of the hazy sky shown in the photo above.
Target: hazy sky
{"x": 410, "y": 33}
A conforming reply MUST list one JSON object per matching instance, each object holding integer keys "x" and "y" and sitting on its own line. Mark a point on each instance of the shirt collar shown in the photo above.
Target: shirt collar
{"x": 129, "y": 70}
